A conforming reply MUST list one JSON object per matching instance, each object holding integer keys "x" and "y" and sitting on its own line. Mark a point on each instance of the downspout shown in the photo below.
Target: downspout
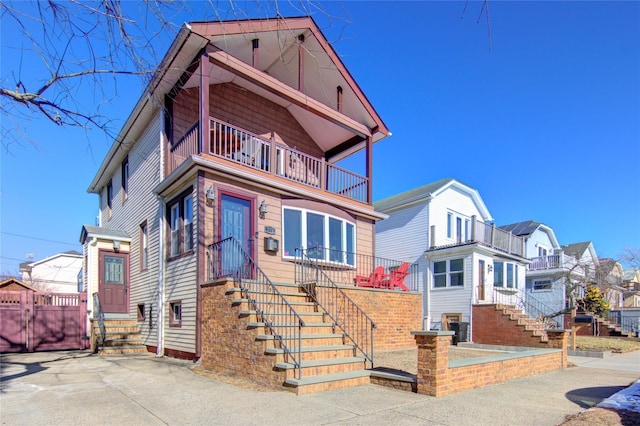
{"x": 161, "y": 249}
{"x": 427, "y": 294}
{"x": 160, "y": 310}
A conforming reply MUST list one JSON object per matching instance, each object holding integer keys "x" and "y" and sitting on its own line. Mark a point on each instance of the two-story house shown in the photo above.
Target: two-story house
{"x": 237, "y": 139}
{"x": 464, "y": 259}
{"x": 551, "y": 272}
{"x": 57, "y": 273}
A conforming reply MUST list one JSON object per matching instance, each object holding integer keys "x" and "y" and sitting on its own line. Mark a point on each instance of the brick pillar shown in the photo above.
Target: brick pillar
{"x": 433, "y": 361}
{"x": 559, "y": 339}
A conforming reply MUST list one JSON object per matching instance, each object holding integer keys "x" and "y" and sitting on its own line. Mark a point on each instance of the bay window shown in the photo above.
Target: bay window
{"x": 505, "y": 275}
{"x": 322, "y": 236}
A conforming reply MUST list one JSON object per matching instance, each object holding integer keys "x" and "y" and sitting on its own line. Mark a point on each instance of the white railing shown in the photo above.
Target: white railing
{"x": 251, "y": 150}
{"x": 553, "y": 261}
{"x": 238, "y": 145}
{"x": 496, "y": 238}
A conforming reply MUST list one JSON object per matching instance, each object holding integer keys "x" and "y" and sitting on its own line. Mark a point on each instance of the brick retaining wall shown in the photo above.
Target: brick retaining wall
{"x": 436, "y": 378}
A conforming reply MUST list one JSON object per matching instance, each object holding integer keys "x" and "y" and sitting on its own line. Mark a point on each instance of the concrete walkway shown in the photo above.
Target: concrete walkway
{"x": 69, "y": 388}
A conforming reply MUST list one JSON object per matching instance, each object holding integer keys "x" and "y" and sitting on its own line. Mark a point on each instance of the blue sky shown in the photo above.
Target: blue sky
{"x": 545, "y": 124}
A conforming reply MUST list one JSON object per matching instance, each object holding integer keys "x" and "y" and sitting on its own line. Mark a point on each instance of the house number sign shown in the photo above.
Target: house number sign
{"x": 269, "y": 230}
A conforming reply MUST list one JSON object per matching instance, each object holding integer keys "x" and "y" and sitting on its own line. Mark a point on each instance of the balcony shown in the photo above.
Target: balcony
{"x": 487, "y": 235}
{"x": 265, "y": 156}
{"x": 553, "y": 261}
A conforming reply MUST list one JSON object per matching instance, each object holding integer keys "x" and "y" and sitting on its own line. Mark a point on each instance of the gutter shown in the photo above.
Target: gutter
{"x": 170, "y": 57}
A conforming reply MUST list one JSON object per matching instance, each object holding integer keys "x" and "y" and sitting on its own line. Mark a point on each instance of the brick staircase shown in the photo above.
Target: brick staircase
{"x": 122, "y": 337}
{"x": 499, "y": 324}
{"x": 328, "y": 360}
{"x": 524, "y": 320}
{"x": 607, "y": 328}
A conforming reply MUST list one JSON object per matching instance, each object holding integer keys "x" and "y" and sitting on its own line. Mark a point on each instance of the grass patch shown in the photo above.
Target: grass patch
{"x": 588, "y": 343}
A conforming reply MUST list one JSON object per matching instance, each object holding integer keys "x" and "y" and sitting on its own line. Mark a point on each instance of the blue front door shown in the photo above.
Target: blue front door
{"x": 236, "y": 220}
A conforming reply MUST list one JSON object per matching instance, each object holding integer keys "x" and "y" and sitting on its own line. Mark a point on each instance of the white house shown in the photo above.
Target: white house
{"x": 446, "y": 227}
{"x": 552, "y": 272}
{"x": 57, "y": 273}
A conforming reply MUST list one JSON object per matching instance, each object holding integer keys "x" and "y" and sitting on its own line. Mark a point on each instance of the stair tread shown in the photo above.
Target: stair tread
{"x": 321, "y": 362}
{"x": 293, "y": 324}
{"x": 303, "y": 336}
{"x": 313, "y": 349}
{"x": 324, "y": 378}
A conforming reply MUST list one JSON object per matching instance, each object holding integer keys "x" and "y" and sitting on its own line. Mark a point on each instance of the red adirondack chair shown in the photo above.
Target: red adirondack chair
{"x": 374, "y": 280}
{"x": 396, "y": 278}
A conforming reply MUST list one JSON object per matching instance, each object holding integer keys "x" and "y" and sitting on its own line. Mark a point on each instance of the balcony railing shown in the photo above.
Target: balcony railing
{"x": 488, "y": 235}
{"x": 553, "y": 261}
{"x": 265, "y": 155}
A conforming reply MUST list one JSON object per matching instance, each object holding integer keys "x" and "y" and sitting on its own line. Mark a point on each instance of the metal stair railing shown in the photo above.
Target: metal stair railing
{"x": 343, "y": 311}
{"x": 228, "y": 259}
{"x": 98, "y": 315}
{"x": 529, "y": 305}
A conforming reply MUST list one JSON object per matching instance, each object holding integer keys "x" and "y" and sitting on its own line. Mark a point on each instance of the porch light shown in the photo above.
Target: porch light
{"x": 210, "y": 195}
{"x": 489, "y": 267}
{"x": 116, "y": 245}
{"x": 262, "y": 209}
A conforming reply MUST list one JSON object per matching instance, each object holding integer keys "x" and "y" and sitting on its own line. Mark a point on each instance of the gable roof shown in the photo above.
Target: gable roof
{"x": 578, "y": 250}
{"x": 12, "y": 280}
{"x": 427, "y": 192}
{"x": 528, "y": 227}
{"x": 228, "y": 45}
{"x": 26, "y": 266}
{"x": 104, "y": 233}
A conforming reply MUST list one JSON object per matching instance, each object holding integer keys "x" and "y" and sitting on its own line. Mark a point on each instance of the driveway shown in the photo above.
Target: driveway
{"x": 77, "y": 387}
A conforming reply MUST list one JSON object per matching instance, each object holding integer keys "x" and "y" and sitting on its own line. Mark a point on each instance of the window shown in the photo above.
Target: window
{"x": 324, "y": 237}
{"x": 187, "y": 223}
{"x": 498, "y": 274}
{"x": 542, "y": 251}
{"x": 175, "y": 313}
{"x": 109, "y": 198}
{"x": 542, "y": 285}
{"x": 505, "y": 275}
{"x": 125, "y": 179}
{"x": 144, "y": 246}
{"x": 458, "y": 227}
{"x": 141, "y": 313}
{"x": 448, "y": 273}
{"x": 180, "y": 215}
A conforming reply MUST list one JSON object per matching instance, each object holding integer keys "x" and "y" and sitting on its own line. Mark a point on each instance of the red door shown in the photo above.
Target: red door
{"x": 114, "y": 282}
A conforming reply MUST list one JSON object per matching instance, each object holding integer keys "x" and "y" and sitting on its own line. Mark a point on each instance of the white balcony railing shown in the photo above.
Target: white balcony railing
{"x": 254, "y": 151}
{"x": 553, "y": 261}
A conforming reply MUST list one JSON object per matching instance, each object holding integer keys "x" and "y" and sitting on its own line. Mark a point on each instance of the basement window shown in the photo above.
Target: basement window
{"x": 175, "y": 313}
{"x": 141, "y": 312}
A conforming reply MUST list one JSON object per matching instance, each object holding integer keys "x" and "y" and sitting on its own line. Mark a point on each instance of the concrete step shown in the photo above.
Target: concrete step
{"x": 309, "y": 328}
{"x": 323, "y": 366}
{"x": 307, "y": 340}
{"x": 315, "y": 353}
{"x": 118, "y": 350}
{"x": 325, "y": 382}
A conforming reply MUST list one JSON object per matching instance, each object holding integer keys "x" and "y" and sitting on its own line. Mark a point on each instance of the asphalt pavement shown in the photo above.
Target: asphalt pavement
{"x": 78, "y": 388}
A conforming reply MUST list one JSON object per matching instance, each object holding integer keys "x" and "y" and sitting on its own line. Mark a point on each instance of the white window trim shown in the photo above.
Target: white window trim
{"x": 448, "y": 285}
{"x": 505, "y": 274}
{"x": 544, "y": 290}
{"x": 327, "y": 217}
{"x": 465, "y": 228}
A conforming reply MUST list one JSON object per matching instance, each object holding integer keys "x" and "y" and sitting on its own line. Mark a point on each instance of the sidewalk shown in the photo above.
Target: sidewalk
{"x": 68, "y": 388}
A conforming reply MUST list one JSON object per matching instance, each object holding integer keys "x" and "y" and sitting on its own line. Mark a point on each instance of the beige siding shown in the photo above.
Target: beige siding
{"x": 181, "y": 285}
{"x": 128, "y": 214}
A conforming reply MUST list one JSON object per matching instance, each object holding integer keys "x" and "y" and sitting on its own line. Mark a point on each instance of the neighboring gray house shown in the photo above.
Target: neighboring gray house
{"x": 463, "y": 259}
{"x": 549, "y": 271}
